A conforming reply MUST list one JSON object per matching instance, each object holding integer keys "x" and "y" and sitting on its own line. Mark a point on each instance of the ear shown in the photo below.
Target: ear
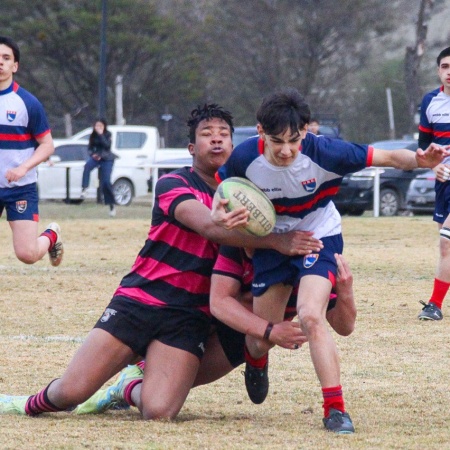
{"x": 260, "y": 130}
{"x": 191, "y": 148}
{"x": 15, "y": 67}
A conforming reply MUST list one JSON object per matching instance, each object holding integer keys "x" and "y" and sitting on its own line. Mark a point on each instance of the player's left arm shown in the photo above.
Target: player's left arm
{"x": 408, "y": 160}
{"x": 43, "y": 151}
{"x": 343, "y": 316}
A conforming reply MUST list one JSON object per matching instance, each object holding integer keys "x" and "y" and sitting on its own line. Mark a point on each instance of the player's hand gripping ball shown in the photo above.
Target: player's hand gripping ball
{"x": 242, "y": 192}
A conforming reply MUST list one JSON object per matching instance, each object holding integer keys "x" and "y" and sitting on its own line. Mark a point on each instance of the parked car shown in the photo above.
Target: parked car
{"x": 421, "y": 196}
{"x": 60, "y": 177}
{"x": 356, "y": 192}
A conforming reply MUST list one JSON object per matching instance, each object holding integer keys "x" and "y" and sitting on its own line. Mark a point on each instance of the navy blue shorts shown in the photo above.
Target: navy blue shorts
{"x": 442, "y": 203}
{"x": 271, "y": 267}
{"x": 137, "y": 324}
{"x": 20, "y": 202}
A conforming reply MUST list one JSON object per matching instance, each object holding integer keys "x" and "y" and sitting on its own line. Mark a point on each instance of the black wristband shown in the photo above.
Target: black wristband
{"x": 268, "y": 330}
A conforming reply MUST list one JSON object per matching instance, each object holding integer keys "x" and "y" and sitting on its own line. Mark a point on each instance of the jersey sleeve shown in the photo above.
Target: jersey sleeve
{"x": 37, "y": 120}
{"x": 229, "y": 263}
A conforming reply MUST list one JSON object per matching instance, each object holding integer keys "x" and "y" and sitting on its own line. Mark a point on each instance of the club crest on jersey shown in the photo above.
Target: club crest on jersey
{"x": 11, "y": 115}
{"x": 21, "y": 206}
{"x": 310, "y": 260}
{"x": 309, "y": 185}
{"x": 107, "y": 314}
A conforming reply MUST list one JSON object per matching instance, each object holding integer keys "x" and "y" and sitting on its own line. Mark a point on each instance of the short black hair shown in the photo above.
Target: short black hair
{"x": 283, "y": 110}
{"x": 12, "y": 45}
{"x": 207, "y": 112}
{"x": 443, "y": 54}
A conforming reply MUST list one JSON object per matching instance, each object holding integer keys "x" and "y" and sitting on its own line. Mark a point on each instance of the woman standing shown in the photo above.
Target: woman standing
{"x": 101, "y": 157}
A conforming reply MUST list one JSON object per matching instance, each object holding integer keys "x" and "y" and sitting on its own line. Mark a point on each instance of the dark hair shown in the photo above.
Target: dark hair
{"x": 12, "y": 45}
{"x": 93, "y": 134}
{"x": 207, "y": 112}
{"x": 443, "y": 54}
{"x": 283, "y": 110}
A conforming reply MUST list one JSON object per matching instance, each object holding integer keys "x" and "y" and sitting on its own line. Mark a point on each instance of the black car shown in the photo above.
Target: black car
{"x": 356, "y": 192}
{"x": 421, "y": 196}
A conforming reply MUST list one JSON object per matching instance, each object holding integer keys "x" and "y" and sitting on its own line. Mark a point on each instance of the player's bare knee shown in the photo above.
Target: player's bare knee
{"x": 309, "y": 320}
{"x": 154, "y": 412}
{"x": 444, "y": 243}
{"x": 27, "y": 257}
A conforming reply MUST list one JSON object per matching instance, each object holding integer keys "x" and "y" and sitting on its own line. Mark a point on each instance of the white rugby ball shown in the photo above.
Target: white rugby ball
{"x": 242, "y": 192}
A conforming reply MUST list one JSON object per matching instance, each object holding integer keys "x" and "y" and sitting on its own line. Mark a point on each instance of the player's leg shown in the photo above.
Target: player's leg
{"x": 441, "y": 284}
{"x": 270, "y": 306}
{"x": 432, "y": 310}
{"x": 168, "y": 377}
{"x": 341, "y": 311}
{"x": 98, "y": 359}
{"x": 28, "y": 246}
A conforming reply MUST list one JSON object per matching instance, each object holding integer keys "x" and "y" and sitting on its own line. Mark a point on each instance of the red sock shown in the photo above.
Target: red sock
{"x": 439, "y": 292}
{"x": 128, "y": 389}
{"x": 52, "y": 237}
{"x": 259, "y": 363}
{"x": 332, "y": 398}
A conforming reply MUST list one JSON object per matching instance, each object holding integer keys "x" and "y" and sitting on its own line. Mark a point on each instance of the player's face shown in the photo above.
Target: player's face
{"x": 7, "y": 66}
{"x": 282, "y": 149}
{"x": 213, "y": 145}
{"x": 444, "y": 73}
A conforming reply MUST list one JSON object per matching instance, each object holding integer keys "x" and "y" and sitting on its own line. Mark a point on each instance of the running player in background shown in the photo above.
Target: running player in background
{"x": 25, "y": 142}
{"x": 435, "y": 127}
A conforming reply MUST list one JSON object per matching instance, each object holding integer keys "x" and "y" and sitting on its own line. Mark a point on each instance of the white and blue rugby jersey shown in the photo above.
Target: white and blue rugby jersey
{"x": 22, "y": 120}
{"x": 301, "y": 192}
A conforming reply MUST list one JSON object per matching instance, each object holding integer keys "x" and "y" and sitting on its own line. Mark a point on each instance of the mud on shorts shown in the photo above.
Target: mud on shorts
{"x": 137, "y": 324}
{"x": 271, "y": 267}
{"x": 20, "y": 202}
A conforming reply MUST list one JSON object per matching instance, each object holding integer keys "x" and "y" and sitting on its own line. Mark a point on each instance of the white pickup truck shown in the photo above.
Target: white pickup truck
{"x": 137, "y": 142}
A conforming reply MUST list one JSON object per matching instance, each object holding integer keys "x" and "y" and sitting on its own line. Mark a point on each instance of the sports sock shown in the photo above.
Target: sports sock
{"x": 259, "y": 363}
{"x": 141, "y": 364}
{"x": 440, "y": 290}
{"x": 40, "y": 403}
{"x": 129, "y": 388}
{"x": 332, "y": 398}
{"x": 52, "y": 237}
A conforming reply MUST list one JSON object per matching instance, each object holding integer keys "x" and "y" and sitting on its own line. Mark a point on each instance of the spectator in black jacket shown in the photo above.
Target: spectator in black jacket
{"x": 102, "y": 157}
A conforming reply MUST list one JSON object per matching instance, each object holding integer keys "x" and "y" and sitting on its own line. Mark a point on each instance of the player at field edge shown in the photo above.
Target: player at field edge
{"x": 25, "y": 142}
{"x": 435, "y": 127}
{"x": 231, "y": 303}
{"x": 301, "y": 172}
{"x": 160, "y": 311}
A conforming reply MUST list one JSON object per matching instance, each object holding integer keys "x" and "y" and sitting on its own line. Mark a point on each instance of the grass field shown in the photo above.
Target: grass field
{"x": 395, "y": 369}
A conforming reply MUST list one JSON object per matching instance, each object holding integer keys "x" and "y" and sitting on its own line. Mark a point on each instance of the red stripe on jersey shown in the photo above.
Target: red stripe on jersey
{"x": 156, "y": 270}
{"x": 15, "y": 137}
{"x": 15, "y": 86}
{"x": 228, "y": 265}
{"x": 140, "y": 296}
{"x": 43, "y": 134}
{"x": 298, "y": 208}
{"x": 425, "y": 130}
{"x": 441, "y": 134}
{"x": 369, "y": 160}
{"x": 188, "y": 241}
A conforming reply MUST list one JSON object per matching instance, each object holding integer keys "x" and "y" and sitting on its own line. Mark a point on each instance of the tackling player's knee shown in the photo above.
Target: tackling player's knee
{"x": 445, "y": 232}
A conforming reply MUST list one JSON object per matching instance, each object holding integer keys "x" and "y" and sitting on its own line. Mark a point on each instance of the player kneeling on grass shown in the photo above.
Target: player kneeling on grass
{"x": 161, "y": 310}
{"x": 231, "y": 303}
{"x": 301, "y": 172}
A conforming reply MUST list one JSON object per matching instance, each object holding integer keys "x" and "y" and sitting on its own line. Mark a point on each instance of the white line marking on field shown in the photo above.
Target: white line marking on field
{"x": 23, "y": 337}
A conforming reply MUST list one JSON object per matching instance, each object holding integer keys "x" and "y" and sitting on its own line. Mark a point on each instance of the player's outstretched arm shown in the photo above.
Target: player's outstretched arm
{"x": 225, "y": 305}
{"x": 343, "y": 316}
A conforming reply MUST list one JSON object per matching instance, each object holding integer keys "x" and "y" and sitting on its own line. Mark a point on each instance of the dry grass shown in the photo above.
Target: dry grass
{"x": 394, "y": 368}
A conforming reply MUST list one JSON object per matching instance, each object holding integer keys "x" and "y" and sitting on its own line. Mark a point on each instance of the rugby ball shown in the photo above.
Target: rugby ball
{"x": 242, "y": 192}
